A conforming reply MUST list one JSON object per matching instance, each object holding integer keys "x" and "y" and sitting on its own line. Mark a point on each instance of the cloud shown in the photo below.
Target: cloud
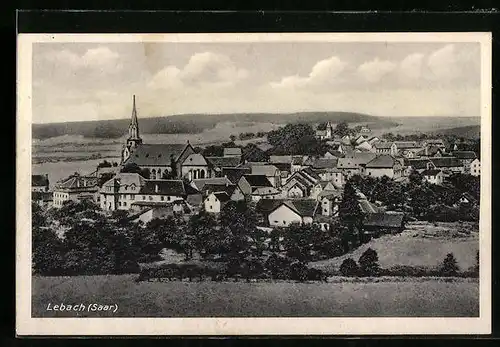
{"x": 201, "y": 69}
{"x": 373, "y": 71}
{"x": 101, "y": 58}
{"x": 446, "y": 63}
{"x": 411, "y": 67}
{"x": 324, "y": 72}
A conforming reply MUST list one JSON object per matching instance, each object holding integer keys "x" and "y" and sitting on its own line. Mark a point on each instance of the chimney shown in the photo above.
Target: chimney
{"x": 156, "y": 188}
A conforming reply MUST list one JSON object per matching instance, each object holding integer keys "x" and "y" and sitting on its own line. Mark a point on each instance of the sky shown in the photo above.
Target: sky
{"x": 96, "y": 81}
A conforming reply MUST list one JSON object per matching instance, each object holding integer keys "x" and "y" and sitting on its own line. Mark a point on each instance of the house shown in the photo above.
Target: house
{"x": 40, "y": 183}
{"x": 248, "y": 183}
{"x": 289, "y": 212}
{"x": 466, "y": 199}
{"x": 364, "y": 130}
{"x": 448, "y": 165}
{"x": 232, "y": 190}
{"x": 298, "y": 185}
{"x": 408, "y": 149}
{"x": 386, "y": 148}
{"x": 327, "y": 170}
{"x": 332, "y": 155}
{"x": 384, "y": 165}
{"x": 272, "y": 173}
{"x": 199, "y": 184}
{"x": 364, "y": 146}
{"x": 384, "y": 222}
{"x": 161, "y": 193}
{"x": 465, "y": 157}
{"x": 75, "y": 188}
{"x": 329, "y": 203}
{"x": 42, "y": 198}
{"x": 119, "y": 192}
{"x": 322, "y": 186}
{"x": 218, "y": 164}
{"x": 431, "y": 152}
{"x": 215, "y": 202}
{"x": 373, "y": 140}
{"x": 436, "y": 143}
{"x": 360, "y": 139}
{"x": 232, "y": 152}
{"x": 195, "y": 166}
{"x": 177, "y": 208}
{"x": 433, "y": 176}
{"x": 354, "y": 164}
{"x": 346, "y": 140}
{"x": 475, "y": 167}
{"x": 324, "y": 134}
{"x": 418, "y": 165}
{"x": 259, "y": 193}
{"x": 233, "y": 174}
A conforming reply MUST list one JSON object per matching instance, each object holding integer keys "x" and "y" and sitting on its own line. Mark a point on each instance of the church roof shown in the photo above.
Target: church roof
{"x": 195, "y": 159}
{"x": 156, "y": 154}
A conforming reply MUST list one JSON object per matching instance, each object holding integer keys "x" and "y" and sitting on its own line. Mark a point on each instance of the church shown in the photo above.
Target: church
{"x": 161, "y": 160}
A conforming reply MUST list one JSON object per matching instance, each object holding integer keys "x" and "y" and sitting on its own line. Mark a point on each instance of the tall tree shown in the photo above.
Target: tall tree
{"x": 350, "y": 213}
{"x": 341, "y": 129}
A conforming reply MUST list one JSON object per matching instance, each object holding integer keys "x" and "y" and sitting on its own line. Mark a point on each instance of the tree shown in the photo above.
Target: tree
{"x": 232, "y": 138}
{"x": 341, "y": 129}
{"x": 298, "y": 241}
{"x": 349, "y": 267}
{"x": 103, "y": 164}
{"x": 296, "y": 139}
{"x": 350, "y": 213}
{"x": 253, "y": 153}
{"x": 449, "y": 267}
{"x": 131, "y": 168}
{"x": 238, "y": 221}
{"x": 368, "y": 263}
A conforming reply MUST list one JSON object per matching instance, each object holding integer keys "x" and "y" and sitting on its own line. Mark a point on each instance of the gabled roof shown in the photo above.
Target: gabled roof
{"x": 304, "y": 208}
{"x": 156, "y": 154}
{"x": 224, "y": 161}
{"x": 383, "y": 145}
{"x": 39, "y": 180}
{"x": 282, "y": 159}
{"x": 123, "y": 181}
{"x": 446, "y": 162}
{"x": 384, "y": 220}
{"x": 236, "y": 151}
{"x": 381, "y": 161}
{"x": 200, "y": 183}
{"x": 77, "y": 182}
{"x": 417, "y": 164}
{"x": 329, "y": 194}
{"x": 464, "y": 154}
{"x": 216, "y": 188}
{"x": 283, "y": 166}
{"x": 407, "y": 144}
{"x": 431, "y": 172}
{"x": 235, "y": 173}
{"x": 362, "y": 158}
{"x": 264, "y": 169}
{"x": 222, "y": 196}
{"x": 265, "y": 191}
{"x": 325, "y": 163}
{"x": 258, "y": 180}
{"x": 195, "y": 159}
{"x": 163, "y": 187}
{"x": 367, "y": 207}
{"x": 349, "y": 163}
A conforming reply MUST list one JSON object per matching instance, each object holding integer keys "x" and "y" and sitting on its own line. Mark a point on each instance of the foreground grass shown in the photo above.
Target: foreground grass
{"x": 353, "y": 297}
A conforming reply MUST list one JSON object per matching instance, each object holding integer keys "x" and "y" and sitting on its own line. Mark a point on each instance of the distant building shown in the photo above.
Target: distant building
{"x": 215, "y": 202}
{"x": 325, "y": 134}
{"x": 75, "y": 188}
{"x": 475, "y": 167}
{"x": 448, "y": 165}
{"x": 384, "y": 165}
{"x": 466, "y": 158}
{"x": 232, "y": 152}
{"x": 386, "y": 148}
{"x": 40, "y": 183}
{"x": 289, "y": 212}
{"x": 121, "y": 191}
{"x": 433, "y": 176}
{"x": 364, "y": 130}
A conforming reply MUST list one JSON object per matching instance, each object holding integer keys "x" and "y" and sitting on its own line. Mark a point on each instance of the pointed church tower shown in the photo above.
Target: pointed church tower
{"x": 134, "y": 139}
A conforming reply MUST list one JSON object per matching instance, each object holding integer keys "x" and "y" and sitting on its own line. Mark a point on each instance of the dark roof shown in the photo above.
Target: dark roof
{"x": 156, "y": 154}
{"x": 384, "y": 220}
{"x": 445, "y": 162}
{"x": 417, "y": 163}
{"x": 258, "y": 180}
{"x": 325, "y": 163}
{"x": 77, "y": 182}
{"x": 222, "y": 196}
{"x": 283, "y": 166}
{"x": 464, "y": 154}
{"x": 267, "y": 205}
{"x": 299, "y": 177}
{"x": 407, "y": 144}
{"x": 224, "y": 161}
{"x": 232, "y": 151}
{"x": 152, "y": 203}
{"x": 382, "y": 161}
{"x": 383, "y": 144}
{"x": 163, "y": 187}
{"x": 431, "y": 172}
{"x": 311, "y": 173}
{"x": 39, "y": 180}
{"x": 227, "y": 188}
{"x": 235, "y": 173}
{"x": 367, "y": 207}
{"x": 303, "y": 207}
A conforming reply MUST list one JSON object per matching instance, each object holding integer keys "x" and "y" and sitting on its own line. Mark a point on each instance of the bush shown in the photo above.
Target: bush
{"x": 449, "y": 266}
{"x": 349, "y": 267}
{"x": 408, "y": 271}
{"x": 368, "y": 263}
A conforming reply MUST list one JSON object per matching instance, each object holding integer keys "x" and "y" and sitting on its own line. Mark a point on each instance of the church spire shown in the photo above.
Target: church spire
{"x": 133, "y": 129}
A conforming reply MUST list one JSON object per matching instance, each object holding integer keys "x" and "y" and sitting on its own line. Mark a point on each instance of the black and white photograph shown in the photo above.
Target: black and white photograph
{"x": 229, "y": 183}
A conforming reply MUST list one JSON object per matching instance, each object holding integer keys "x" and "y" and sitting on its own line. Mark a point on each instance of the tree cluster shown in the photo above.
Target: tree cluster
{"x": 296, "y": 139}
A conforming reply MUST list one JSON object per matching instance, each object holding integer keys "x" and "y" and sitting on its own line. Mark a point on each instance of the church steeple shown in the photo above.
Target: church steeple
{"x": 134, "y": 140}
{"x": 133, "y": 129}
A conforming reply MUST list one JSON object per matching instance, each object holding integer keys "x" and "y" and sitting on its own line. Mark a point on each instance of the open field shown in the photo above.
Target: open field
{"x": 418, "y": 298}
{"x": 421, "y": 244}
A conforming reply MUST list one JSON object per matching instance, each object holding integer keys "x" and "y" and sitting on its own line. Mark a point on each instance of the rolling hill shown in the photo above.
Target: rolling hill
{"x": 468, "y": 132}
{"x": 197, "y": 123}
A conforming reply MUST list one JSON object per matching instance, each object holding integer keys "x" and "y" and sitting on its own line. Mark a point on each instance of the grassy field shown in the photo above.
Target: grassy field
{"x": 421, "y": 244}
{"x": 359, "y": 298}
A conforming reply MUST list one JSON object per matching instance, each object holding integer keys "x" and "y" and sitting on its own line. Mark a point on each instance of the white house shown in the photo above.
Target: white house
{"x": 75, "y": 188}
{"x": 288, "y": 212}
{"x": 214, "y": 202}
{"x": 121, "y": 191}
{"x": 433, "y": 176}
{"x": 475, "y": 167}
{"x": 384, "y": 165}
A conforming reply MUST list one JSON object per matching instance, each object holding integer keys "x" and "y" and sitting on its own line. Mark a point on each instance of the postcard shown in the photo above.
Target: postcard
{"x": 253, "y": 184}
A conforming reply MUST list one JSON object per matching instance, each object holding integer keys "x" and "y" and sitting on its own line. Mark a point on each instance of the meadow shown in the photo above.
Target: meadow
{"x": 355, "y": 298}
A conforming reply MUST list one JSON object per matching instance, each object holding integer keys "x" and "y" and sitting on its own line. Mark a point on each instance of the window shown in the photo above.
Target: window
{"x": 143, "y": 197}
{"x": 162, "y": 198}
{"x": 132, "y": 197}
{"x": 150, "y": 198}
{"x": 325, "y": 210}
{"x": 119, "y": 203}
{"x": 210, "y": 207}
{"x": 124, "y": 204}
